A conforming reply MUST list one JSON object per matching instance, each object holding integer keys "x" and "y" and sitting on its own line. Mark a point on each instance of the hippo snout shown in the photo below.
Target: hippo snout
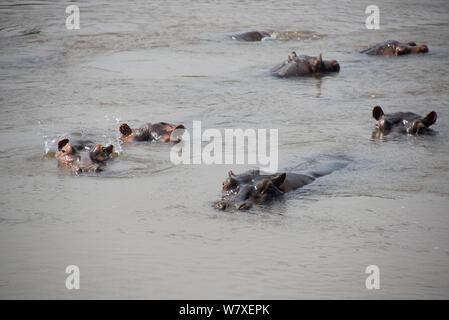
{"x": 244, "y": 206}
{"x": 423, "y": 49}
{"x": 335, "y": 66}
{"x": 224, "y": 205}
{"x": 220, "y": 205}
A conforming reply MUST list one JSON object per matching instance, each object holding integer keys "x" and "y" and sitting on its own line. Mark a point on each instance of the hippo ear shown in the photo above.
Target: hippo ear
{"x": 125, "y": 129}
{"x": 430, "y": 119}
{"x": 317, "y": 64}
{"x": 377, "y": 112}
{"x": 62, "y": 143}
{"x": 230, "y": 174}
{"x": 177, "y": 132}
{"x": 170, "y": 128}
{"x": 109, "y": 149}
{"x": 279, "y": 179}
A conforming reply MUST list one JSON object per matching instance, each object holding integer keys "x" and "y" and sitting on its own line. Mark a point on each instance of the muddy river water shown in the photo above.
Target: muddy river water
{"x": 146, "y": 228}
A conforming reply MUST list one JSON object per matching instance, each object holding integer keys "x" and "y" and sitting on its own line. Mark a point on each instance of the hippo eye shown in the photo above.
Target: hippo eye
{"x": 63, "y": 151}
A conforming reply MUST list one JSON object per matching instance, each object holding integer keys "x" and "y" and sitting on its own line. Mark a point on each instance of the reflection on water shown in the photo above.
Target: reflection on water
{"x": 145, "y": 228}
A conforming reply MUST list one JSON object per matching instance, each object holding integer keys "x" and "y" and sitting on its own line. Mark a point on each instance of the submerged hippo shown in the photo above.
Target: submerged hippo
{"x": 148, "y": 132}
{"x": 251, "y": 36}
{"x": 304, "y": 65}
{"x": 241, "y": 192}
{"x": 83, "y": 156}
{"x": 402, "y": 122}
{"x": 395, "y": 48}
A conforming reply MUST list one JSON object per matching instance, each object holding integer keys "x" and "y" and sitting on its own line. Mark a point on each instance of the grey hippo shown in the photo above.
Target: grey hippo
{"x": 160, "y": 131}
{"x": 395, "y": 48}
{"x": 83, "y": 156}
{"x": 251, "y": 36}
{"x": 243, "y": 191}
{"x": 402, "y": 122}
{"x": 303, "y": 65}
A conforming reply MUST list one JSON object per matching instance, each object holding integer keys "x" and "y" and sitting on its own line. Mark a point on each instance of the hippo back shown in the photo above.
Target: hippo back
{"x": 251, "y": 36}
{"x": 380, "y": 48}
{"x": 143, "y": 133}
{"x": 296, "y": 67}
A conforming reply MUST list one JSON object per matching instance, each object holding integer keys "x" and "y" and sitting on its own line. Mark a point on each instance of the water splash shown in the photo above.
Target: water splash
{"x": 114, "y": 137}
{"x": 296, "y": 35}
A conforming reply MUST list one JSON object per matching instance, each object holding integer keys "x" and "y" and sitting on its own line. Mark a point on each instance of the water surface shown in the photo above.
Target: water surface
{"x": 146, "y": 228}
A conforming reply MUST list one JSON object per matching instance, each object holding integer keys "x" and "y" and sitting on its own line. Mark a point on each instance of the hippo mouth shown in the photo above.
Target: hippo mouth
{"x": 220, "y": 206}
{"x": 424, "y": 49}
{"x": 224, "y": 205}
{"x": 335, "y": 66}
{"x": 420, "y": 49}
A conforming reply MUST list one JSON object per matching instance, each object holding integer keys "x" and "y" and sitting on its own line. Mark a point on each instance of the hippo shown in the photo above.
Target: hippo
{"x": 251, "y": 36}
{"x": 395, "y": 48}
{"x": 304, "y": 65}
{"x": 148, "y": 132}
{"x": 242, "y": 191}
{"x": 402, "y": 122}
{"x": 83, "y": 156}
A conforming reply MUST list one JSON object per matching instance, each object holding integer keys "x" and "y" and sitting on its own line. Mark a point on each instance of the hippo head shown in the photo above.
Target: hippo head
{"x": 419, "y": 49}
{"x": 101, "y": 154}
{"x": 242, "y": 195}
{"x": 421, "y": 125}
{"x": 319, "y": 65}
{"x": 410, "y": 47}
{"x": 382, "y": 123}
{"x": 332, "y": 66}
{"x": 417, "y": 126}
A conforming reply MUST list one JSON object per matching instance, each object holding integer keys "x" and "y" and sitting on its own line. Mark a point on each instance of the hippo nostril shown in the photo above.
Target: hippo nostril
{"x": 220, "y": 205}
{"x": 243, "y": 206}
